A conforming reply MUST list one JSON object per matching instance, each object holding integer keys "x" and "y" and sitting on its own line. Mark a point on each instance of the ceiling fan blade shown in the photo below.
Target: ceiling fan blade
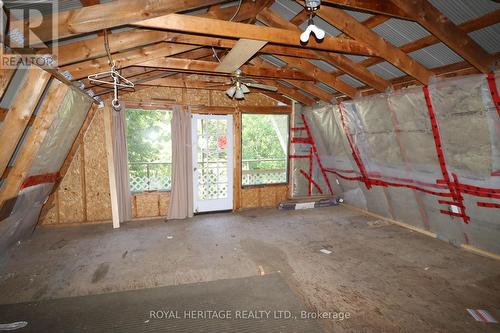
{"x": 241, "y": 52}
{"x": 261, "y": 86}
{"x": 245, "y": 89}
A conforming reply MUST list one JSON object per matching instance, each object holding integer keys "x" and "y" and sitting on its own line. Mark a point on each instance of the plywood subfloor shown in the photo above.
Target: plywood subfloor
{"x": 388, "y": 278}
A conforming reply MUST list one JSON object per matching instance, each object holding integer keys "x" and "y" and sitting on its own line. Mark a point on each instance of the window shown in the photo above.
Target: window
{"x": 149, "y": 150}
{"x": 264, "y": 149}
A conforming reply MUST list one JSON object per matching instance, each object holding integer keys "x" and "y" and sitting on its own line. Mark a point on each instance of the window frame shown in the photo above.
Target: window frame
{"x": 141, "y": 108}
{"x": 287, "y": 181}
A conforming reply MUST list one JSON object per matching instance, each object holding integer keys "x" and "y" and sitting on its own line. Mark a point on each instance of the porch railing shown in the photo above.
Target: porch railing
{"x": 156, "y": 176}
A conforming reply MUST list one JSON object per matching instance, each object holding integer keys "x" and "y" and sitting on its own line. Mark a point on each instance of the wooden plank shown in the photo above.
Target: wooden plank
{"x": 338, "y": 60}
{"x": 241, "y": 52}
{"x": 237, "y": 160}
{"x": 291, "y": 92}
{"x": 111, "y": 14}
{"x": 211, "y": 67}
{"x": 29, "y": 150}
{"x": 192, "y": 24}
{"x": 329, "y": 79}
{"x": 5, "y": 77}
{"x": 469, "y": 26}
{"x": 313, "y": 90}
{"x": 441, "y": 27}
{"x": 20, "y": 112}
{"x": 356, "y": 30}
{"x": 108, "y": 132}
{"x": 385, "y": 7}
{"x": 83, "y": 69}
{"x": 123, "y": 41}
{"x": 3, "y": 113}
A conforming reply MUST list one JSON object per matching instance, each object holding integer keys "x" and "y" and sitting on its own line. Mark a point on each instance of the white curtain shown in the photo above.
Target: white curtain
{"x": 120, "y": 156}
{"x": 181, "y": 198}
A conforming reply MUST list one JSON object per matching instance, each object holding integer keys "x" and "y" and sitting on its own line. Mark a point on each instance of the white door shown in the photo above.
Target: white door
{"x": 212, "y": 162}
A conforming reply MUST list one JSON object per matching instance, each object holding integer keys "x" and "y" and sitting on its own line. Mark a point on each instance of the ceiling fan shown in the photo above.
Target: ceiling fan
{"x": 239, "y": 85}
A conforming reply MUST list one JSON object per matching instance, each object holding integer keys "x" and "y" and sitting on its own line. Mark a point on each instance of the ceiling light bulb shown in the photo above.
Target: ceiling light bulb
{"x": 304, "y": 37}
{"x": 231, "y": 91}
{"x": 239, "y": 94}
{"x": 319, "y": 33}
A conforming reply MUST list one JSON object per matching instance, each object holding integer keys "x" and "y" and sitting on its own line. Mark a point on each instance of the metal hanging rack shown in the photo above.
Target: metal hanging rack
{"x": 116, "y": 81}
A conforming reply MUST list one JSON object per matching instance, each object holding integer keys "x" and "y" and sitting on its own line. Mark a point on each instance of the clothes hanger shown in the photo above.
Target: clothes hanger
{"x": 111, "y": 77}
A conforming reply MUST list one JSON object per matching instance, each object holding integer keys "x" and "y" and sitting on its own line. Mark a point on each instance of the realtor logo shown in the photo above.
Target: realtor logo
{"x": 28, "y": 33}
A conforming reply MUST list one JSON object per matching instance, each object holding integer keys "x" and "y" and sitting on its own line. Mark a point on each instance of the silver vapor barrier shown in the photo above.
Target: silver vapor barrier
{"x": 426, "y": 156}
{"x": 21, "y": 213}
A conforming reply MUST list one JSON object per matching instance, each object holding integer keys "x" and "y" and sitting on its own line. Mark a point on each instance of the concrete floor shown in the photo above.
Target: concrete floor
{"x": 389, "y": 278}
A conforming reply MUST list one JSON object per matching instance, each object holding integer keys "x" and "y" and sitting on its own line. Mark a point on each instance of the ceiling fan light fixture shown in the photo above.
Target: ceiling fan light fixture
{"x": 239, "y": 94}
{"x": 231, "y": 91}
{"x": 312, "y": 4}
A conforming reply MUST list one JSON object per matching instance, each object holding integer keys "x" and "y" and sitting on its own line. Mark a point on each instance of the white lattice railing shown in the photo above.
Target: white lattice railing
{"x": 157, "y": 176}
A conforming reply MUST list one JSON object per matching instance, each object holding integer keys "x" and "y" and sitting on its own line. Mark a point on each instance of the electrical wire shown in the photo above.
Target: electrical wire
{"x": 237, "y": 11}
{"x": 106, "y": 46}
{"x": 230, "y": 20}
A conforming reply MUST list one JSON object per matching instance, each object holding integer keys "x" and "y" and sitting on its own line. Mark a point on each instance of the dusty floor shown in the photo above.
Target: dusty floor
{"x": 389, "y": 278}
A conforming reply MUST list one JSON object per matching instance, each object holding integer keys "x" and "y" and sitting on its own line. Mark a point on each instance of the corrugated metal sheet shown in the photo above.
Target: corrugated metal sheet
{"x": 399, "y": 32}
{"x": 60, "y": 5}
{"x": 287, "y": 9}
{"x": 488, "y": 38}
{"x": 323, "y": 65}
{"x": 325, "y": 87}
{"x": 359, "y": 16}
{"x": 329, "y": 29}
{"x": 273, "y": 60}
{"x": 305, "y": 93}
{"x": 436, "y": 55}
{"x": 286, "y": 84}
{"x": 459, "y": 11}
{"x": 386, "y": 70}
{"x": 351, "y": 81}
{"x": 356, "y": 58}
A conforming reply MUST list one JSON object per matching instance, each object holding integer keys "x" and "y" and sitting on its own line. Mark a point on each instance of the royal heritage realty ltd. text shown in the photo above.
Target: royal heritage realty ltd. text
{"x": 246, "y": 314}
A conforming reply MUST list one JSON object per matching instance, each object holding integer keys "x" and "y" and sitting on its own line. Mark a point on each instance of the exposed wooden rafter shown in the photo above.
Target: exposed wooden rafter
{"x": 441, "y": 27}
{"x": 358, "y": 31}
{"x": 338, "y": 60}
{"x": 200, "y": 25}
{"x": 19, "y": 114}
{"x": 384, "y": 7}
{"x": 108, "y": 15}
{"x": 35, "y": 138}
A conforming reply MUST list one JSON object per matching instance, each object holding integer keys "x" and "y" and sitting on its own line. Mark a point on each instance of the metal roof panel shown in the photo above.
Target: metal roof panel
{"x": 400, "y": 32}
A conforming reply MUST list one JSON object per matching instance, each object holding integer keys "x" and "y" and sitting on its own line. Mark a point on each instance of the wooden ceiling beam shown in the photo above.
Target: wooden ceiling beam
{"x": 192, "y": 24}
{"x": 358, "y": 31}
{"x": 338, "y": 60}
{"x": 134, "y": 57}
{"x": 17, "y": 118}
{"x": 467, "y": 27}
{"x": 327, "y": 78}
{"x": 291, "y": 92}
{"x": 116, "y": 13}
{"x": 308, "y": 87}
{"x": 187, "y": 65}
{"x": 441, "y": 27}
{"x": 383, "y": 7}
{"x": 34, "y": 139}
{"x": 123, "y": 41}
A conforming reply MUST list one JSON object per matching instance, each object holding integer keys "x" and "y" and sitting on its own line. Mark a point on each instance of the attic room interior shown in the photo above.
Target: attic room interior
{"x": 250, "y": 166}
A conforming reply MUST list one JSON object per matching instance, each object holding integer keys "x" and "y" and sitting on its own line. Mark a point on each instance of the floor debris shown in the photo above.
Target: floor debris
{"x": 325, "y": 251}
{"x": 482, "y": 315}
{"x": 13, "y": 326}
